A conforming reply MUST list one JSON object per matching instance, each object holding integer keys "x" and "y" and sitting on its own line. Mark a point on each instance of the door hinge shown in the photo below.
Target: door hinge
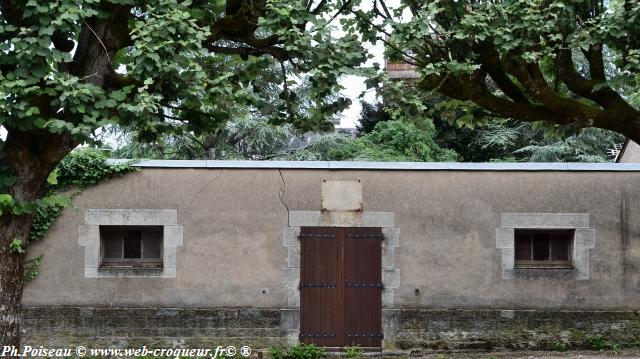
{"x": 364, "y": 285}
{"x": 367, "y": 236}
{"x": 365, "y": 335}
{"x": 316, "y": 285}
{"x": 317, "y": 335}
{"x": 316, "y": 236}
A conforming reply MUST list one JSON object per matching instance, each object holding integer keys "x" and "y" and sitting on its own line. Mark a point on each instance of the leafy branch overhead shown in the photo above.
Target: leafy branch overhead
{"x": 165, "y": 66}
{"x": 566, "y": 62}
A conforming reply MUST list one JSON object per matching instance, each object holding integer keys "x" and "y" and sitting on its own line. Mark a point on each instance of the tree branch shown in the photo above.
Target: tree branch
{"x": 167, "y": 105}
{"x": 605, "y": 96}
{"x": 415, "y": 62}
{"x": 473, "y": 88}
{"x": 319, "y": 8}
{"x": 98, "y": 41}
{"x": 530, "y": 76}
{"x": 490, "y": 59}
{"x": 10, "y": 12}
{"x": 384, "y": 8}
{"x": 335, "y": 15}
{"x": 277, "y": 52}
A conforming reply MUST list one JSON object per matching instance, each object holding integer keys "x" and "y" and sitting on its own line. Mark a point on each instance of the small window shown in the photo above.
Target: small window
{"x": 131, "y": 246}
{"x": 537, "y": 248}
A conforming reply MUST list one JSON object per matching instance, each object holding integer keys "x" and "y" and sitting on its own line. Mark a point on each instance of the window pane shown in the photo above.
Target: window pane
{"x": 112, "y": 244}
{"x": 540, "y": 247}
{"x": 151, "y": 243}
{"x": 543, "y": 245}
{"x": 560, "y": 248}
{"x": 523, "y": 248}
{"x": 133, "y": 244}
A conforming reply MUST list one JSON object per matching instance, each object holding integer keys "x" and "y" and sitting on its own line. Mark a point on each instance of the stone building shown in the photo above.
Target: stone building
{"x": 399, "y": 70}
{"x": 382, "y": 255}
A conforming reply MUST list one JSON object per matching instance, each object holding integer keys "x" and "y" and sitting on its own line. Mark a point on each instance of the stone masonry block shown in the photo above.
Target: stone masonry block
{"x": 504, "y": 237}
{"x": 291, "y": 277}
{"x": 172, "y": 236}
{"x": 391, "y": 237}
{"x": 391, "y": 278}
{"x": 289, "y": 319}
{"x": 388, "y": 258}
{"x": 89, "y": 235}
{"x": 291, "y": 236}
{"x": 293, "y": 260}
{"x": 341, "y": 195}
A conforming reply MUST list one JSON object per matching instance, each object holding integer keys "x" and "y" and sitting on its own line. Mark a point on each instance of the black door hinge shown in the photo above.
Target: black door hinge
{"x": 316, "y": 285}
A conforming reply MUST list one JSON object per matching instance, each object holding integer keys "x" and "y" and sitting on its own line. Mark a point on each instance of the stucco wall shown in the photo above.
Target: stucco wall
{"x": 234, "y": 221}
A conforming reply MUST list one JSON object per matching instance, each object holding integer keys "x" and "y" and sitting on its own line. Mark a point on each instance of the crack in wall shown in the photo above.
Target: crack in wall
{"x": 281, "y": 193}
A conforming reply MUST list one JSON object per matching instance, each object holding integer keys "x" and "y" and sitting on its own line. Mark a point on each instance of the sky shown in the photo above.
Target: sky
{"x": 354, "y": 85}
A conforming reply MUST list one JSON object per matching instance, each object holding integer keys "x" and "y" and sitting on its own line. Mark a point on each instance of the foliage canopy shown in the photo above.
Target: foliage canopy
{"x": 157, "y": 67}
{"x": 566, "y": 62}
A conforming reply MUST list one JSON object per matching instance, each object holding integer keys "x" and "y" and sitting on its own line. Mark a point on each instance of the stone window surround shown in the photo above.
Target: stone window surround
{"x": 583, "y": 241}
{"x": 290, "y": 316}
{"x": 89, "y": 238}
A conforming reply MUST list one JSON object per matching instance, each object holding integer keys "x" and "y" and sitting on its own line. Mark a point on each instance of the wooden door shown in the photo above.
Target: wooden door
{"x": 320, "y": 289}
{"x": 340, "y": 286}
{"x": 363, "y": 287}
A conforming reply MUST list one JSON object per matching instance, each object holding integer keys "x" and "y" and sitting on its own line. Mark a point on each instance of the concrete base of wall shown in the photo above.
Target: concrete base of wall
{"x": 508, "y": 329}
{"x": 405, "y": 329}
{"x": 104, "y": 327}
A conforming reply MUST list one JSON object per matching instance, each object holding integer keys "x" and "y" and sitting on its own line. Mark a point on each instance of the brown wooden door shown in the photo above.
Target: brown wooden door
{"x": 340, "y": 286}
{"x": 320, "y": 289}
{"x": 363, "y": 287}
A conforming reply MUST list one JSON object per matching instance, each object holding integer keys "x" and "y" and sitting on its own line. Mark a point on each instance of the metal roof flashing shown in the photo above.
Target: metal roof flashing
{"x": 389, "y": 166}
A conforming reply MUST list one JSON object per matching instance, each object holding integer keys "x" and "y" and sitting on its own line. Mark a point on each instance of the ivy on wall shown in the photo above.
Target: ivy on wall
{"x": 80, "y": 169}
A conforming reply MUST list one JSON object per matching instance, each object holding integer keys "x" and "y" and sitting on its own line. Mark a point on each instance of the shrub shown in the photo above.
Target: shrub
{"x": 559, "y": 346}
{"x": 354, "y": 352}
{"x": 299, "y": 351}
{"x": 277, "y": 352}
{"x": 306, "y": 351}
{"x": 597, "y": 342}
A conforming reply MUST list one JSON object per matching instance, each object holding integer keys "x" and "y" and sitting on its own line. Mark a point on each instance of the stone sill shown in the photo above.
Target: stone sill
{"x": 130, "y": 270}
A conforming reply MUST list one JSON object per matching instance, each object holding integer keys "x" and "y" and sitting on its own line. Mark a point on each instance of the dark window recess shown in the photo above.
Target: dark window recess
{"x": 131, "y": 246}
{"x": 542, "y": 248}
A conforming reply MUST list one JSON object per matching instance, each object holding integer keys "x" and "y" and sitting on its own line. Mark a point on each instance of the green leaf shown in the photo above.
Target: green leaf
{"x": 56, "y": 201}
{"x": 53, "y": 178}
{"x": 5, "y": 199}
{"x": 16, "y": 246}
{"x": 33, "y": 111}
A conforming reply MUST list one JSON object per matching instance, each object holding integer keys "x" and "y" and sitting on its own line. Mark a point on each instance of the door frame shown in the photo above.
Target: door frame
{"x": 290, "y": 315}
{"x": 341, "y": 287}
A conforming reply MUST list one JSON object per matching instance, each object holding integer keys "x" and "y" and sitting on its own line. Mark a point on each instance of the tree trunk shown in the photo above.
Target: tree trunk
{"x": 31, "y": 155}
{"x": 11, "y": 274}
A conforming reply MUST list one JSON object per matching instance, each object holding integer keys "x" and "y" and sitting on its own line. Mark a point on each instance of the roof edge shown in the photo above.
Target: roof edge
{"x": 388, "y": 166}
